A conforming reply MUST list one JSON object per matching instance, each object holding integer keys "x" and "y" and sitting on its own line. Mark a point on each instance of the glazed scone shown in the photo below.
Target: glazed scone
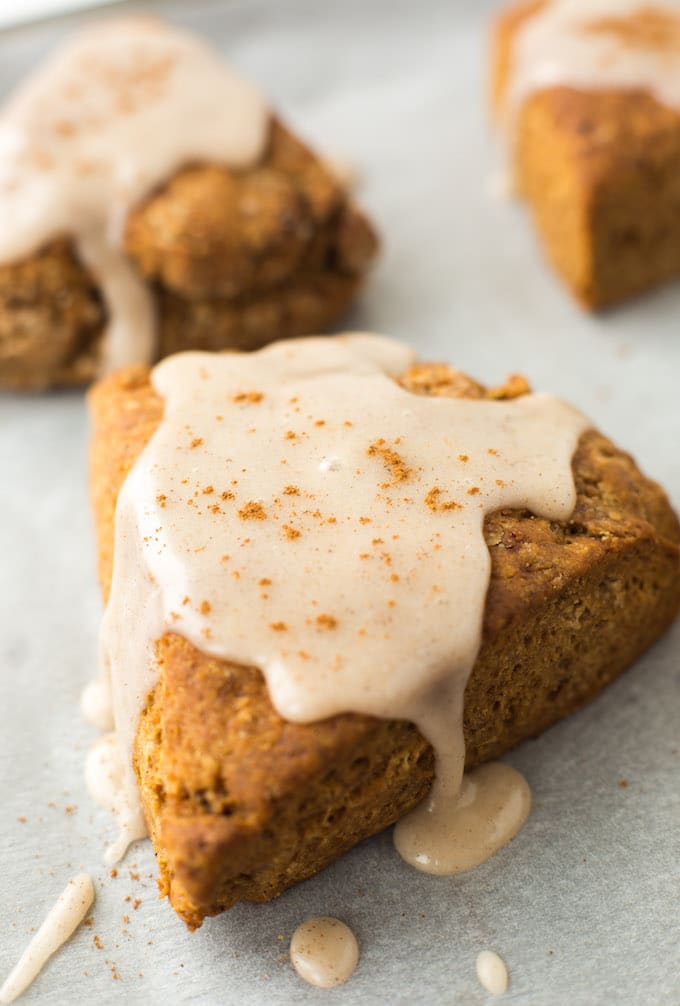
{"x": 586, "y": 95}
{"x": 228, "y": 255}
{"x": 241, "y": 803}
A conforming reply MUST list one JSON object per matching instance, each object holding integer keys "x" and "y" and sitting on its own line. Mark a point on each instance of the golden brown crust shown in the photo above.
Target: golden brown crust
{"x": 600, "y": 170}
{"x": 51, "y": 318}
{"x": 242, "y": 804}
{"x": 211, "y": 233}
{"x": 234, "y": 259}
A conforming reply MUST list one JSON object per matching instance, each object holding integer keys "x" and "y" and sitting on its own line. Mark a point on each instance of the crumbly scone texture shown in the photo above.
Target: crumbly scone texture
{"x": 600, "y": 171}
{"x": 242, "y": 804}
{"x": 234, "y": 260}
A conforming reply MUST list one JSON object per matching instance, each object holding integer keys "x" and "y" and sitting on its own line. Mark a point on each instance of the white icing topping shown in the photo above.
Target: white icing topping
{"x": 63, "y": 918}
{"x": 324, "y": 951}
{"x": 299, "y": 511}
{"x": 579, "y": 43}
{"x": 107, "y": 119}
{"x": 492, "y": 972}
{"x": 105, "y": 775}
{"x": 96, "y": 705}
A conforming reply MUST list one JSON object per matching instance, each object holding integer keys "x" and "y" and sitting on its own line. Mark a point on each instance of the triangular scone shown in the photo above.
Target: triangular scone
{"x": 242, "y": 804}
{"x": 152, "y": 201}
{"x": 596, "y": 161}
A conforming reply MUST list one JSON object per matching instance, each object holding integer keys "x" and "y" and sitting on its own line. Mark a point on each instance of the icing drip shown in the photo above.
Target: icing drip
{"x": 465, "y": 819}
{"x": 299, "y": 511}
{"x": 62, "y": 920}
{"x": 106, "y": 120}
{"x": 105, "y": 777}
{"x": 96, "y": 705}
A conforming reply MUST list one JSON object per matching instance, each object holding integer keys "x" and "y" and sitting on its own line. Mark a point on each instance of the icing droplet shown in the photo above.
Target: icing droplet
{"x": 492, "y": 972}
{"x": 324, "y": 951}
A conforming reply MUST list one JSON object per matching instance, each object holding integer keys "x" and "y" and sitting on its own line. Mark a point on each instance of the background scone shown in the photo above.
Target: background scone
{"x": 259, "y": 241}
{"x": 587, "y": 95}
{"x": 241, "y": 804}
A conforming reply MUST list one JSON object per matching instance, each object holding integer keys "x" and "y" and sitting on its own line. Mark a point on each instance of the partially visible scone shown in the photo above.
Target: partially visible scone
{"x": 234, "y": 260}
{"x": 241, "y": 804}
{"x": 598, "y": 164}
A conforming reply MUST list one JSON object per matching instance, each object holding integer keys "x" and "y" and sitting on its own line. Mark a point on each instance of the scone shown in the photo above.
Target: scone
{"x": 151, "y": 202}
{"x": 585, "y": 93}
{"x": 241, "y": 803}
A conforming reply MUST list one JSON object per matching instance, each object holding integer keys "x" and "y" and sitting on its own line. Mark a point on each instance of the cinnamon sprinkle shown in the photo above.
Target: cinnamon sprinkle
{"x": 395, "y": 464}
{"x": 325, "y": 621}
{"x": 248, "y": 396}
{"x": 435, "y": 504}
{"x": 252, "y": 511}
{"x": 648, "y": 27}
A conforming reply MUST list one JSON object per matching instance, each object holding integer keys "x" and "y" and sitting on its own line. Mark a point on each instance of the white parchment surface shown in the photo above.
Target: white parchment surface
{"x": 583, "y": 904}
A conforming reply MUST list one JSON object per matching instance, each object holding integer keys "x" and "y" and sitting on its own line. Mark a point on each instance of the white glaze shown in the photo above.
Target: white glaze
{"x": 557, "y": 47}
{"x": 492, "y": 972}
{"x": 363, "y": 588}
{"x": 96, "y": 705}
{"x": 105, "y": 777}
{"x": 62, "y": 920}
{"x": 324, "y": 951}
{"x": 109, "y": 117}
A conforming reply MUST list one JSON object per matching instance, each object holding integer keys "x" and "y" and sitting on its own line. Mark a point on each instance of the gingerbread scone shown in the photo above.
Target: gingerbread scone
{"x": 587, "y": 95}
{"x": 152, "y": 201}
{"x": 340, "y": 575}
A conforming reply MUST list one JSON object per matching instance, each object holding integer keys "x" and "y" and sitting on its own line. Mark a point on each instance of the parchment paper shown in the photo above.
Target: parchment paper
{"x": 583, "y": 904}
